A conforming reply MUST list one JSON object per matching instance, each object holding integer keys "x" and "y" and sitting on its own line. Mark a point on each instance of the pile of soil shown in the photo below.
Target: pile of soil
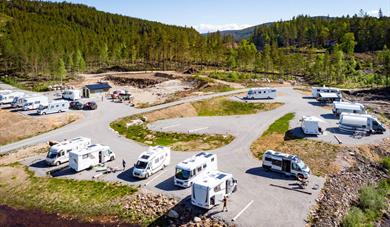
{"x": 140, "y": 80}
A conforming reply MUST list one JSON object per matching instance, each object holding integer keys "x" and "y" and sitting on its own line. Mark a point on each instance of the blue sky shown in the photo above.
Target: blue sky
{"x": 211, "y": 15}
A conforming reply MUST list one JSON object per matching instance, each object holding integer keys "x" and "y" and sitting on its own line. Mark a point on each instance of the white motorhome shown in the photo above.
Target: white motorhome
{"x": 9, "y": 97}
{"x": 33, "y": 102}
{"x": 261, "y": 93}
{"x": 18, "y": 101}
{"x": 192, "y": 168}
{"x": 71, "y": 94}
{"x": 5, "y": 92}
{"x": 59, "y": 153}
{"x": 290, "y": 165}
{"x": 54, "y": 107}
{"x": 310, "y": 125}
{"x": 347, "y": 107}
{"x": 89, "y": 157}
{"x": 210, "y": 190}
{"x": 350, "y": 122}
{"x": 151, "y": 161}
{"x": 315, "y": 91}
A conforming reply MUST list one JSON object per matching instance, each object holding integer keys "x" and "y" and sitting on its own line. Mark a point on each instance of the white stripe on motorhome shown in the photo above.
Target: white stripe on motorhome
{"x": 154, "y": 178}
{"x": 242, "y": 211}
{"x": 198, "y": 129}
{"x": 171, "y": 126}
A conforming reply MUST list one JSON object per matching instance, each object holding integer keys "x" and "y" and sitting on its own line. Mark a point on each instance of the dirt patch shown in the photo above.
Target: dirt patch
{"x": 16, "y": 126}
{"x": 182, "y": 110}
{"x": 303, "y": 90}
{"x": 23, "y": 153}
{"x": 141, "y": 80}
{"x": 15, "y": 177}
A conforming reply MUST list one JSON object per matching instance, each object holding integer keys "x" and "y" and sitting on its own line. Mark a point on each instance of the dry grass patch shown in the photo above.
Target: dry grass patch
{"x": 16, "y": 126}
{"x": 23, "y": 153}
{"x": 182, "y": 110}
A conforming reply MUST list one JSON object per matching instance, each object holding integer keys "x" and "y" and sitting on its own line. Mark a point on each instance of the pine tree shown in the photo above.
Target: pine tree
{"x": 61, "y": 70}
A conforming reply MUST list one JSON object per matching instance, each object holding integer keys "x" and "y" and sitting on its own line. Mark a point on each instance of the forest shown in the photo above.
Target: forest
{"x": 51, "y": 41}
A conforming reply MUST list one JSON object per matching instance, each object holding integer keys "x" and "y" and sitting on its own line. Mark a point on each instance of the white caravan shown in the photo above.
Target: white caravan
{"x": 310, "y": 125}
{"x": 33, "y": 102}
{"x": 59, "y": 153}
{"x": 151, "y": 161}
{"x": 315, "y": 91}
{"x": 261, "y": 93}
{"x": 211, "y": 189}
{"x": 71, "y": 94}
{"x": 290, "y": 165}
{"x": 347, "y": 107}
{"x": 192, "y": 168}
{"x": 90, "y": 157}
{"x": 350, "y": 122}
{"x": 54, "y": 107}
{"x": 9, "y": 97}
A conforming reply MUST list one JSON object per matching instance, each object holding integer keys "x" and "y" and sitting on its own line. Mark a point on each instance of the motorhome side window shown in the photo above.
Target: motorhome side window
{"x": 217, "y": 188}
{"x": 295, "y": 167}
{"x": 268, "y": 159}
{"x": 204, "y": 166}
{"x": 36, "y": 102}
{"x": 68, "y": 150}
{"x": 85, "y": 156}
{"x": 276, "y": 162}
{"x": 156, "y": 161}
{"x": 212, "y": 159}
{"x": 199, "y": 168}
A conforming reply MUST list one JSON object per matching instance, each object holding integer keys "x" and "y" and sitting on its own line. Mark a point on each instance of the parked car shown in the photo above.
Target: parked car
{"x": 76, "y": 105}
{"x": 90, "y": 106}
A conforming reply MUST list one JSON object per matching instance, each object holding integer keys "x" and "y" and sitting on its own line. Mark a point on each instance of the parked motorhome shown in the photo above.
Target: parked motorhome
{"x": 315, "y": 91}
{"x": 59, "y": 153}
{"x": 290, "y": 165}
{"x": 89, "y": 157}
{"x": 210, "y": 190}
{"x": 33, "y": 102}
{"x": 347, "y": 107}
{"x": 54, "y": 107}
{"x": 329, "y": 97}
{"x": 350, "y": 122}
{"x": 9, "y": 97}
{"x": 71, "y": 94}
{"x": 310, "y": 125}
{"x": 192, "y": 168}
{"x": 151, "y": 161}
{"x": 261, "y": 93}
{"x": 5, "y": 92}
{"x": 18, "y": 101}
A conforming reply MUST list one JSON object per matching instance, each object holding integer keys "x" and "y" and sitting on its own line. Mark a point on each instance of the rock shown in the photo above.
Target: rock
{"x": 173, "y": 214}
{"x": 197, "y": 219}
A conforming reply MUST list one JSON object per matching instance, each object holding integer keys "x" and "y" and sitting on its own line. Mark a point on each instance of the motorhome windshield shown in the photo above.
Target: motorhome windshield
{"x": 41, "y": 107}
{"x": 182, "y": 174}
{"x": 141, "y": 165}
{"x": 301, "y": 165}
{"x": 52, "y": 154}
{"x": 250, "y": 92}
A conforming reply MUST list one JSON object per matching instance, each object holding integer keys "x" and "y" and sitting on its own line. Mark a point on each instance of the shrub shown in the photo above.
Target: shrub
{"x": 386, "y": 163}
{"x": 372, "y": 199}
{"x": 354, "y": 218}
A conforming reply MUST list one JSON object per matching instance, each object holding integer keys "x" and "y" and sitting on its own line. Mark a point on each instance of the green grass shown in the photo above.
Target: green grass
{"x": 372, "y": 202}
{"x": 177, "y": 141}
{"x": 80, "y": 199}
{"x": 386, "y": 163}
{"x": 280, "y": 126}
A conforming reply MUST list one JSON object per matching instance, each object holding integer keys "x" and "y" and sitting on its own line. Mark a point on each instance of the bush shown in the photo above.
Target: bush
{"x": 386, "y": 163}
{"x": 354, "y": 218}
{"x": 372, "y": 199}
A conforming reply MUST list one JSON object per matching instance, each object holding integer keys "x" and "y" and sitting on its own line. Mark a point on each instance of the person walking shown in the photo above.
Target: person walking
{"x": 224, "y": 203}
{"x": 124, "y": 164}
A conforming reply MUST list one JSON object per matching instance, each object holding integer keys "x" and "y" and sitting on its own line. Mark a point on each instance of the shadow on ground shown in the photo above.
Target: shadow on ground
{"x": 127, "y": 175}
{"x": 167, "y": 185}
{"x": 261, "y": 172}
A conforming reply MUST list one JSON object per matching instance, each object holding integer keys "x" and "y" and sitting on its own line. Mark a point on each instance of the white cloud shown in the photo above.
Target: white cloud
{"x": 373, "y": 13}
{"x": 204, "y": 28}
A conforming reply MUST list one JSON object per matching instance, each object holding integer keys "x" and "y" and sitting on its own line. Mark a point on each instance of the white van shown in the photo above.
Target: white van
{"x": 192, "y": 168}
{"x": 152, "y": 161}
{"x": 71, "y": 94}
{"x": 347, "y": 107}
{"x": 9, "y": 97}
{"x": 350, "y": 122}
{"x": 33, "y": 102}
{"x": 288, "y": 164}
{"x": 54, "y": 107}
{"x": 59, "y": 153}
{"x": 89, "y": 157}
{"x": 210, "y": 190}
{"x": 261, "y": 93}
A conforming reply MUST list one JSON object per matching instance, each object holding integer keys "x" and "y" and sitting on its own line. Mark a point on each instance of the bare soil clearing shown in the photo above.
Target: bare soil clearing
{"x": 15, "y": 126}
{"x": 23, "y": 153}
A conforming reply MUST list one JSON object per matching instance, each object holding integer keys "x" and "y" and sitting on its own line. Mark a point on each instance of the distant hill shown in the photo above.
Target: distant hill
{"x": 241, "y": 34}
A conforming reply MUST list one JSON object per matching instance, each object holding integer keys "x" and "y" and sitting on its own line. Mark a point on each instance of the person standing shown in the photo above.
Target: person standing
{"x": 124, "y": 164}
{"x": 224, "y": 203}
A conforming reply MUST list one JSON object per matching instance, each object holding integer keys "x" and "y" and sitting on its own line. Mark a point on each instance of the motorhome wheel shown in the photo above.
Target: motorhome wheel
{"x": 147, "y": 175}
{"x": 112, "y": 158}
{"x": 57, "y": 163}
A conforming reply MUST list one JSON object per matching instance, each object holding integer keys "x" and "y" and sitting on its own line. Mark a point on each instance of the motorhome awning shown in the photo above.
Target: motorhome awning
{"x": 328, "y": 95}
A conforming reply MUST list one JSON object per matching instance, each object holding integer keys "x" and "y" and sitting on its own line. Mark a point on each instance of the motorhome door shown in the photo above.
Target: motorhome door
{"x": 286, "y": 166}
{"x": 229, "y": 186}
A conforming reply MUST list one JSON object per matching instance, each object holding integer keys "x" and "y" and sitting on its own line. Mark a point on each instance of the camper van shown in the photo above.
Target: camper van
{"x": 261, "y": 93}
{"x": 9, "y": 97}
{"x": 288, "y": 164}
{"x": 18, "y": 101}
{"x": 192, "y": 168}
{"x": 89, "y": 157}
{"x": 310, "y": 125}
{"x": 71, "y": 94}
{"x": 151, "y": 161}
{"x": 59, "y": 153}
{"x": 209, "y": 190}
{"x": 316, "y": 91}
{"x": 53, "y": 107}
{"x": 347, "y": 107}
{"x": 33, "y": 102}
{"x": 350, "y": 122}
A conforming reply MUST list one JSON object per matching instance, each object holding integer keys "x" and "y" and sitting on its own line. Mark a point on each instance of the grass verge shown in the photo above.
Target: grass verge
{"x": 319, "y": 156}
{"x": 86, "y": 200}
